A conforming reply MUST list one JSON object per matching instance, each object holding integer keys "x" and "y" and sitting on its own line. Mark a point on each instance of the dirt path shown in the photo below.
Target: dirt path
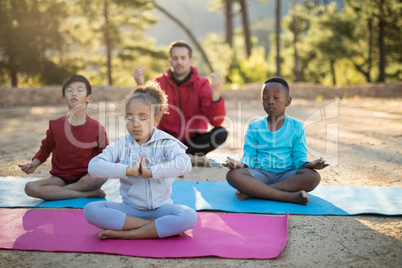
{"x": 360, "y": 137}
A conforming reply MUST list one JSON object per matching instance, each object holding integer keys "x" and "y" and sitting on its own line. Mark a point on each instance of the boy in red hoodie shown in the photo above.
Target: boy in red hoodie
{"x": 73, "y": 141}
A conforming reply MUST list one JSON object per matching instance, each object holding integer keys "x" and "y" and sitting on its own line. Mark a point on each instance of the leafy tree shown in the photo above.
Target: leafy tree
{"x": 226, "y": 7}
{"x": 325, "y": 37}
{"x": 297, "y": 22}
{"x": 346, "y": 44}
{"x": 220, "y": 53}
{"x": 329, "y": 36}
{"x": 230, "y": 8}
{"x": 188, "y": 32}
{"x": 381, "y": 45}
{"x": 296, "y": 25}
{"x": 393, "y": 40}
{"x": 113, "y": 29}
{"x": 246, "y": 27}
{"x": 30, "y": 37}
{"x": 229, "y": 22}
{"x": 295, "y": 41}
{"x": 382, "y": 33}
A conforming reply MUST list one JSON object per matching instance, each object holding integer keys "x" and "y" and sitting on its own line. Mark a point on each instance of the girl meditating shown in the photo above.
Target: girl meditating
{"x": 146, "y": 161}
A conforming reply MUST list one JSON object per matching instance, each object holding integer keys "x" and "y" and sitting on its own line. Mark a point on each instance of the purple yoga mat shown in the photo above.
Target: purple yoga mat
{"x": 239, "y": 236}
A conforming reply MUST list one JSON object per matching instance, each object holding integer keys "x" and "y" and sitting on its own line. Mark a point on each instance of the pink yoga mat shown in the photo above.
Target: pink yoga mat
{"x": 239, "y": 236}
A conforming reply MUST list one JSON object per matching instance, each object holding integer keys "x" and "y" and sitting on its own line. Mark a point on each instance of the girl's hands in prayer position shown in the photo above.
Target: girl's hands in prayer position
{"x": 140, "y": 168}
{"x": 145, "y": 171}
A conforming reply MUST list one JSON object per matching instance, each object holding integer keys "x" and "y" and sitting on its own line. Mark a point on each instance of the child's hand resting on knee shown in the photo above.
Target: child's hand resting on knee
{"x": 316, "y": 164}
{"x": 231, "y": 164}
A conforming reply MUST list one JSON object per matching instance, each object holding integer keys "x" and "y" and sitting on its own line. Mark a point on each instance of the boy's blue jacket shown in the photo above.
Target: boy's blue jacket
{"x": 277, "y": 151}
{"x": 166, "y": 157}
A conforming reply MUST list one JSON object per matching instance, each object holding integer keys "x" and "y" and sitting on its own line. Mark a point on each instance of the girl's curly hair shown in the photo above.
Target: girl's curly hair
{"x": 151, "y": 92}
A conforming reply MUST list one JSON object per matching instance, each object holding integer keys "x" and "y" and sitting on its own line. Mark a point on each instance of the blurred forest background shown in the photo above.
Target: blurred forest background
{"x": 42, "y": 42}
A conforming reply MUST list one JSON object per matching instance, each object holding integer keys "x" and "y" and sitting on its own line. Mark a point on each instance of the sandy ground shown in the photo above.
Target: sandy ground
{"x": 358, "y": 130}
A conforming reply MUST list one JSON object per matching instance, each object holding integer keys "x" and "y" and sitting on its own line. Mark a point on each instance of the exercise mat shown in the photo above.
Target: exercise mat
{"x": 324, "y": 200}
{"x": 239, "y": 236}
{"x": 12, "y": 195}
{"x": 220, "y": 196}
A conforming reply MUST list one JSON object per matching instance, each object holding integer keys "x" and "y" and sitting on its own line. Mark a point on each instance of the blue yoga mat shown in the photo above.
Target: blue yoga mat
{"x": 324, "y": 200}
{"x": 220, "y": 196}
{"x": 12, "y": 194}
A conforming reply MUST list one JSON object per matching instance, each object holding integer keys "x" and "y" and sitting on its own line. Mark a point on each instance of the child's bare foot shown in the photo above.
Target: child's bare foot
{"x": 300, "y": 197}
{"x": 135, "y": 233}
{"x": 129, "y": 234}
{"x": 242, "y": 196}
{"x": 113, "y": 234}
{"x": 95, "y": 193}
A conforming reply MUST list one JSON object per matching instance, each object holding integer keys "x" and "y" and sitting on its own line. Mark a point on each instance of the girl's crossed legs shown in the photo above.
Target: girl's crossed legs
{"x": 123, "y": 221}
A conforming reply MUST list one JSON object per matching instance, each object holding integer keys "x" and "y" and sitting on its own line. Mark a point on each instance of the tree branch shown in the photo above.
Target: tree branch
{"x": 189, "y": 33}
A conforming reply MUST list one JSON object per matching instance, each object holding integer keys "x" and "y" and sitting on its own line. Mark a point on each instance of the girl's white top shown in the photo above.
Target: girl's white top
{"x": 166, "y": 158}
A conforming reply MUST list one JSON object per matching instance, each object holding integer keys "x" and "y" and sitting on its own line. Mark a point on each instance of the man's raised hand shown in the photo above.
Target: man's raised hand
{"x": 216, "y": 84}
{"x": 139, "y": 75}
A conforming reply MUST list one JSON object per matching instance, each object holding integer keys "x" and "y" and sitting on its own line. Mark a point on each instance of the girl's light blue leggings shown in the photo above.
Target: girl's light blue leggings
{"x": 171, "y": 219}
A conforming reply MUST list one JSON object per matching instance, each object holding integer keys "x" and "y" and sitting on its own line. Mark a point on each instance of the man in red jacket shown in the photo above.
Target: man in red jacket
{"x": 193, "y": 104}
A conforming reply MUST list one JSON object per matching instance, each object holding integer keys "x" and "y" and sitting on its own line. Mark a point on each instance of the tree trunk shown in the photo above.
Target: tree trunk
{"x": 332, "y": 62}
{"x": 189, "y": 33}
{"x": 381, "y": 46}
{"x": 360, "y": 69}
{"x": 246, "y": 27}
{"x": 370, "y": 51}
{"x": 229, "y": 22}
{"x": 14, "y": 78}
{"x": 296, "y": 56}
{"x": 13, "y": 70}
{"x": 367, "y": 72}
{"x": 278, "y": 35}
{"x": 108, "y": 42}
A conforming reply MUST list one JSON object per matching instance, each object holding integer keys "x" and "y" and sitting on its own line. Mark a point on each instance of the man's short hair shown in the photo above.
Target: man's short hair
{"x": 77, "y": 78}
{"x": 279, "y": 80}
{"x": 181, "y": 43}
